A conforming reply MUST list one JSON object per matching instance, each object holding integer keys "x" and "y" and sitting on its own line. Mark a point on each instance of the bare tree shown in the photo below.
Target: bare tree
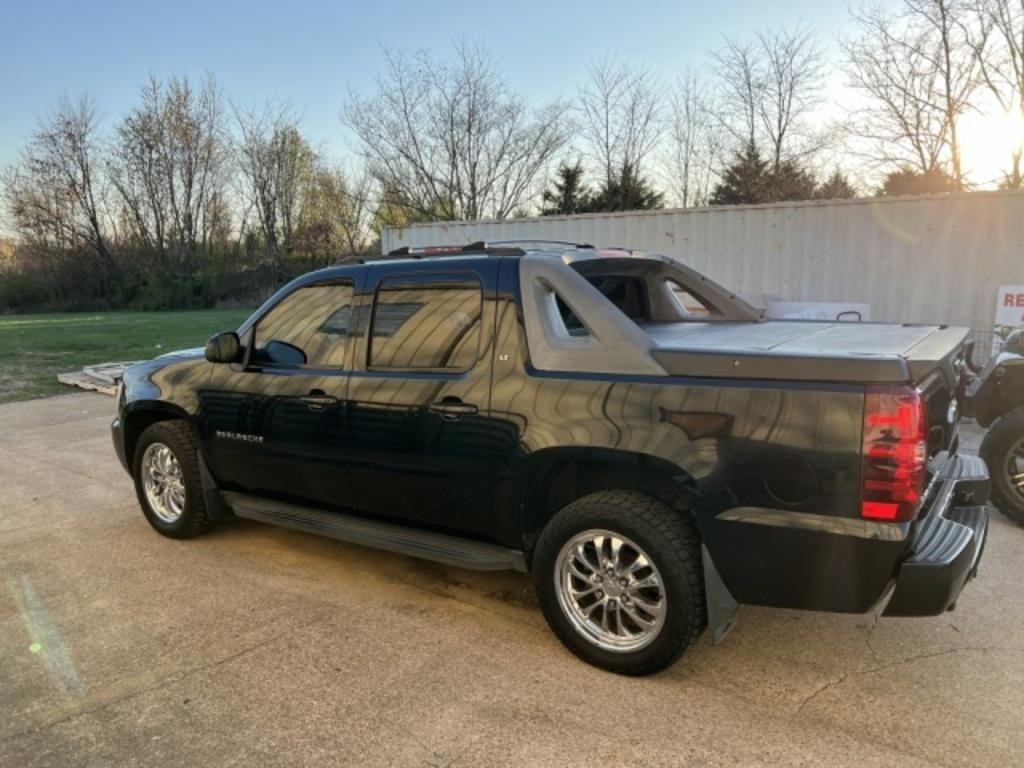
{"x": 694, "y": 143}
{"x": 335, "y": 215}
{"x": 622, "y": 118}
{"x": 450, "y": 139}
{"x": 918, "y": 71}
{"x": 997, "y": 39}
{"x": 276, "y": 166}
{"x": 55, "y": 193}
{"x": 355, "y": 217}
{"x": 954, "y": 58}
{"x": 770, "y": 87}
{"x": 794, "y": 72}
{"x": 169, "y": 167}
{"x": 740, "y": 74}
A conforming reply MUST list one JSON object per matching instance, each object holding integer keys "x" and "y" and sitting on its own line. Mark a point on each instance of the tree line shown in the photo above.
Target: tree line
{"x": 192, "y": 200}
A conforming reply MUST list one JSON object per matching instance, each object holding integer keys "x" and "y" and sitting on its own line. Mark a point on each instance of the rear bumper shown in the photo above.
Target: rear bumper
{"x": 947, "y": 545}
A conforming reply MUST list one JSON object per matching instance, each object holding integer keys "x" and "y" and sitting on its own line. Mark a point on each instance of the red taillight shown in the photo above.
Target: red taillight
{"x": 895, "y": 453}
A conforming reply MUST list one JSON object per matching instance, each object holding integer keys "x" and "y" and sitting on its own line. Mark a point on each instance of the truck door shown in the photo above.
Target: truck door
{"x": 419, "y": 395}
{"x": 276, "y": 425}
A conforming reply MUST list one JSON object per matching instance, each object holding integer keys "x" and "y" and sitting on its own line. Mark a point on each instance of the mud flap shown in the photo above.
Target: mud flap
{"x": 216, "y": 509}
{"x": 722, "y": 606}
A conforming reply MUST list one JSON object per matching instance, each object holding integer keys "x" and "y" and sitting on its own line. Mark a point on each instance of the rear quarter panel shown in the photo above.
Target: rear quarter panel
{"x": 747, "y": 450}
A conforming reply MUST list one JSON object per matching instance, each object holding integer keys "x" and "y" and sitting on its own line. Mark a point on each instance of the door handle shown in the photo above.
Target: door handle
{"x": 453, "y": 408}
{"x": 317, "y": 400}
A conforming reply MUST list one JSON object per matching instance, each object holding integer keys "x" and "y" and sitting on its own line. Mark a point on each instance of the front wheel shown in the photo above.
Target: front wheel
{"x": 619, "y": 578}
{"x": 1003, "y": 451}
{"x": 167, "y": 481}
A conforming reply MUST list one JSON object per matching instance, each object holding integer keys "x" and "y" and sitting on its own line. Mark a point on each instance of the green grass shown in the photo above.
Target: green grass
{"x": 35, "y": 348}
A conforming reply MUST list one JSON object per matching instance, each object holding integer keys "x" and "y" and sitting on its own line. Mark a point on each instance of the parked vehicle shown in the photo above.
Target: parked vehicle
{"x": 996, "y": 400}
{"x": 638, "y": 438}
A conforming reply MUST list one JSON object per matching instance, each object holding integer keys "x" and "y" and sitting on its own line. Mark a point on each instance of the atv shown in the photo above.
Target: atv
{"x": 995, "y": 397}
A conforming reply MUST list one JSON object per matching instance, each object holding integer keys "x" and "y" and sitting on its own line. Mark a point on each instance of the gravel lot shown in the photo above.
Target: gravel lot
{"x": 261, "y": 646}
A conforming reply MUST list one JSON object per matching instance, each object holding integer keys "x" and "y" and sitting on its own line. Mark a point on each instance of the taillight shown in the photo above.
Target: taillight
{"x": 894, "y": 454}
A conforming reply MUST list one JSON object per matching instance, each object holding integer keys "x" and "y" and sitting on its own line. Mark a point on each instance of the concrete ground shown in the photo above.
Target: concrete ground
{"x": 262, "y": 646}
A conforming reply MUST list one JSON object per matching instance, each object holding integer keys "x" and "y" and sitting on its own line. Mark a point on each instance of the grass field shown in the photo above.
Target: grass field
{"x": 35, "y": 348}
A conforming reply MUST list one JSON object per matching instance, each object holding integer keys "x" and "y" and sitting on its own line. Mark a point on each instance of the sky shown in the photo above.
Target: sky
{"x": 309, "y": 54}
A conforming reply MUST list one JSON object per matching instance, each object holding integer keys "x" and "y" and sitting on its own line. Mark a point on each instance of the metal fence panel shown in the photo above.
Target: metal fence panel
{"x": 934, "y": 259}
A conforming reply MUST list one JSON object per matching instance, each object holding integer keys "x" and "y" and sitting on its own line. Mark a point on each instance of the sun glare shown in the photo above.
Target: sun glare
{"x": 988, "y": 140}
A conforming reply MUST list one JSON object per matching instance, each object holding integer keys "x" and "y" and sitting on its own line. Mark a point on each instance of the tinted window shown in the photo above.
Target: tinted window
{"x": 690, "y": 305}
{"x": 626, "y": 293}
{"x": 423, "y": 322}
{"x": 308, "y": 327}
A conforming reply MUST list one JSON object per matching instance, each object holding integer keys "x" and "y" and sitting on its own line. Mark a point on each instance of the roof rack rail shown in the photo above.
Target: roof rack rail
{"x": 489, "y": 249}
{"x": 544, "y": 241}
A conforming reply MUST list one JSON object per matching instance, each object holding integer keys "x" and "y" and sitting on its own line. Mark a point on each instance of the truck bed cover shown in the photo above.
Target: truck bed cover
{"x": 800, "y": 350}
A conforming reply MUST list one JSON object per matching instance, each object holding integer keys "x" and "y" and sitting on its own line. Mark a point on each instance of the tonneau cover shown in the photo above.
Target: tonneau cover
{"x": 800, "y": 350}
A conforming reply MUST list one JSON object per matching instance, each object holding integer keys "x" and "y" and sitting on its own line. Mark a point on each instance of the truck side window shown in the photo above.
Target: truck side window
{"x": 626, "y": 293}
{"x": 426, "y": 323}
{"x": 688, "y": 304}
{"x": 307, "y": 328}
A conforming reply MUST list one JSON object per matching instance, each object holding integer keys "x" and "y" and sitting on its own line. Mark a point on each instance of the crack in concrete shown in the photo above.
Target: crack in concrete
{"x": 871, "y": 634}
{"x": 830, "y": 684}
{"x": 895, "y": 746}
{"x": 908, "y": 660}
{"x": 934, "y": 654}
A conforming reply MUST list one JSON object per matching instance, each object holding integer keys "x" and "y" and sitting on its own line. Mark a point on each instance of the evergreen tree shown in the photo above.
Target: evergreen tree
{"x": 790, "y": 182}
{"x": 744, "y": 181}
{"x": 750, "y": 179}
{"x": 907, "y": 181}
{"x": 629, "y": 191}
{"x": 569, "y": 193}
{"x": 836, "y": 187}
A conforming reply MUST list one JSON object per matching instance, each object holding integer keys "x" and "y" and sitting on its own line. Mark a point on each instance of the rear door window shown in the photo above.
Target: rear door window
{"x": 424, "y": 322}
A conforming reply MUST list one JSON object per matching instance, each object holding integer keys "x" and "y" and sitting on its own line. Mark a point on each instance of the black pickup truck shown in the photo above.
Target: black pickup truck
{"x": 641, "y": 440}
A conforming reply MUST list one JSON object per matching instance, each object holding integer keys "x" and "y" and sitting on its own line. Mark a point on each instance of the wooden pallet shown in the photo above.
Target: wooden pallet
{"x": 102, "y": 377}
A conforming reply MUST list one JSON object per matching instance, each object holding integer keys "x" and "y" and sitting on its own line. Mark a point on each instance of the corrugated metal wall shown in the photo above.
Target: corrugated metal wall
{"x": 917, "y": 259}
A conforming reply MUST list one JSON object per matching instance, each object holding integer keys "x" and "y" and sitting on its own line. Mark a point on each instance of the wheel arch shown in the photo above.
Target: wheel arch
{"x": 141, "y": 415}
{"x": 556, "y": 477}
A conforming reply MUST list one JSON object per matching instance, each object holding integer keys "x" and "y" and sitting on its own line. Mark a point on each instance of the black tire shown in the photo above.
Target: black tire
{"x": 177, "y": 436}
{"x": 668, "y": 540}
{"x": 1004, "y": 440}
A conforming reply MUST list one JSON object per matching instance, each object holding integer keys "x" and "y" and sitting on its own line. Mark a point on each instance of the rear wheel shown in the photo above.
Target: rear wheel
{"x": 618, "y": 575}
{"x": 167, "y": 481}
{"x": 1003, "y": 451}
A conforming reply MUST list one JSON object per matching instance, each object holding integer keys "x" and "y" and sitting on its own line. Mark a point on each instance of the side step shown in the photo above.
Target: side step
{"x": 449, "y": 550}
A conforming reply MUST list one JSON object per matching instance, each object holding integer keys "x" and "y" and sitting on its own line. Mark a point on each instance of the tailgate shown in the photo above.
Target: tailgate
{"x": 937, "y": 365}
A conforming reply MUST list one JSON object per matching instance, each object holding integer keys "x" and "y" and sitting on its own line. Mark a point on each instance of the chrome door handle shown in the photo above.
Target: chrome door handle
{"x": 317, "y": 400}
{"x": 453, "y": 409}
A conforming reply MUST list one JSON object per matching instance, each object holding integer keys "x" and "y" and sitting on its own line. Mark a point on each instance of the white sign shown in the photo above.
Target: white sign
{"x": 1010, "y": 306}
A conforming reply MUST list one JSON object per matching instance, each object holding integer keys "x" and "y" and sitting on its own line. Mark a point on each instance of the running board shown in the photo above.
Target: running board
{"x": 449, "y": 550}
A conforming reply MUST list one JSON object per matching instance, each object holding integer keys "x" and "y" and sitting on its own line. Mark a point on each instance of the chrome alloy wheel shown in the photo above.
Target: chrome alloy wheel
{"x": 163, "y": 482}
{"x": 610, "y": 590}
{"x": 1015, "y": 466}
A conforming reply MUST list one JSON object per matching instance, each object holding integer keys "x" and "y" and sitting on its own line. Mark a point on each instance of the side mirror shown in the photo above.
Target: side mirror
{"x": 224, "y": 348}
